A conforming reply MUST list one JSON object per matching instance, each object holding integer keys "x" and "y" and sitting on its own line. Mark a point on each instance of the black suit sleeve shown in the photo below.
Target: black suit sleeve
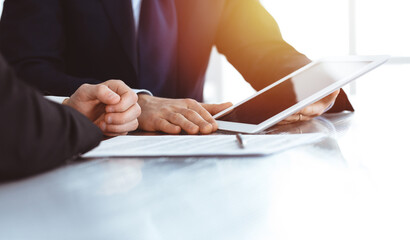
{"x": 251, "y": 40}
{"x": 36, "y": 134}
{"x": 33, "y": 40}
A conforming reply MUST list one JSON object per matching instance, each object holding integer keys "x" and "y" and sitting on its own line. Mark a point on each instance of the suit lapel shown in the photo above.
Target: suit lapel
{"x": 122, "y": 17}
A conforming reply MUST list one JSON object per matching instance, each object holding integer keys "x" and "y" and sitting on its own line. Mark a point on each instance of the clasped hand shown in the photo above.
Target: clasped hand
{"x": 111, "y": 105}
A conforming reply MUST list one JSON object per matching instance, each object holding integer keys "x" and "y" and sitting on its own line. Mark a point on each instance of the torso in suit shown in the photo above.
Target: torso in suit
{"x": 36, "y": 134}
{"x": 57, "y": 45}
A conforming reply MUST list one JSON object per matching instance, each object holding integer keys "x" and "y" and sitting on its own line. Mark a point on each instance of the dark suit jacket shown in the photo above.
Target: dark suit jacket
{"x": 36, "y": 134}
{"x": 57, "y": 45}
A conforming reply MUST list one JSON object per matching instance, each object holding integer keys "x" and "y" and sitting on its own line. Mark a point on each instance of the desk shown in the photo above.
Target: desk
{"x": 352, "y": 185}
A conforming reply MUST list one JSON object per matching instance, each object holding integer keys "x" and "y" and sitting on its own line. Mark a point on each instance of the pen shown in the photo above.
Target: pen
{"x": 240, "y": 140}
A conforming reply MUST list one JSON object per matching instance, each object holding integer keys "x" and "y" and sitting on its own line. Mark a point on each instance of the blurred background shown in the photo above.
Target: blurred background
{"x": 320, "y": 28}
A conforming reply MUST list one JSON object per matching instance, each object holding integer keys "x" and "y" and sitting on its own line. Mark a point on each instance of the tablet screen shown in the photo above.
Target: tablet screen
{"x": 291, "y": 91}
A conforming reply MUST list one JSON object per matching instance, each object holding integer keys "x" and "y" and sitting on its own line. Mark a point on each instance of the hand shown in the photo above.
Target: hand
{"x": 111, "y": 105}
{"x": 173, "y": 115}
{"x": 312, "y": 111}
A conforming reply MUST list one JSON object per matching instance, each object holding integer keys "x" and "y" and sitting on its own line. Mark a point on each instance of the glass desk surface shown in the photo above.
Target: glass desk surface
{"x": 352, "y": 185}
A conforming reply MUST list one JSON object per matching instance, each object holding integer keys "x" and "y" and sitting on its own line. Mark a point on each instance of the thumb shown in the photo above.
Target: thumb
{"x": 216, "y": 108}
{"x": 105, "y": 95}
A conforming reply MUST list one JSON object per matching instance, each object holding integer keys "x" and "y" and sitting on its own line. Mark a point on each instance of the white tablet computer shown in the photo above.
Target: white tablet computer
{"x": 294, "y": 92}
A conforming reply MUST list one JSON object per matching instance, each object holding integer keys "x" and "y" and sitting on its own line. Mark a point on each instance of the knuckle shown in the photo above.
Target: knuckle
{"x": 119, "y": 119}
{"x": 111, "y": 128}
{"x": 138, "y": 110}
{"x": 135, "y": 124}
{"x": 108, "y": 116}
{"x": 161, "y": 124}
{"x": 175, "y": 116}
{"x": 132, "y": 95}
{"x": 189, "y": 101}
{"x": 190, "y": 113}
{"x": 85, "y": 85}
{"x": 165, "y": 111}
{"x": 101, "y": 88}
{"x": 157, "y": 122}
{"x": 115, "y": 81}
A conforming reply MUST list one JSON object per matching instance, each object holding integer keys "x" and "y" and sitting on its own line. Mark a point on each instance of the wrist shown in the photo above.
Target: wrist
{"x": 144, "y": 97}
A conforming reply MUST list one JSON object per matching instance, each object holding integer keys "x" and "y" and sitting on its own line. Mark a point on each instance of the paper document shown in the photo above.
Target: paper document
{"x": 210, "y": 145}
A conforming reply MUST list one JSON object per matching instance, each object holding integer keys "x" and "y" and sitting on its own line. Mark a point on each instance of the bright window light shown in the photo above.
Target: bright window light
{"x": 383, "y": 27}
{"x": 316, "y": 28}
{"x": 320, "y": 28}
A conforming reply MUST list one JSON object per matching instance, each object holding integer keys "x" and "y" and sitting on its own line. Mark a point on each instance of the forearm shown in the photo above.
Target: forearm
{"x": 251, "y": 39}
{"x": 252, "y": 42}
{"x": 38, "y": 135}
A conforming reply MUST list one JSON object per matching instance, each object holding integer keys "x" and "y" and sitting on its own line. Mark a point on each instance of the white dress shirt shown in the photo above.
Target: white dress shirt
{"x": 136, "y": 7}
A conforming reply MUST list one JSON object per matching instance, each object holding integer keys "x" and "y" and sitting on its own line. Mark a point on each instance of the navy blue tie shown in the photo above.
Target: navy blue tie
{"x": 157, "y": 43}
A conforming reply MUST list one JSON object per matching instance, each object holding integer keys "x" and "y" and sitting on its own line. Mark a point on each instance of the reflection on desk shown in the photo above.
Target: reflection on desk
{"x": 309, "y": 192}
{"x": 165, "y": 198}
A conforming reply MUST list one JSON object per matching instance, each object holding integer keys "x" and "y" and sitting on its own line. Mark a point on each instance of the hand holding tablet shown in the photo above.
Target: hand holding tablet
{"x": 314, "y": 110}
{"x": 294, "y": 92}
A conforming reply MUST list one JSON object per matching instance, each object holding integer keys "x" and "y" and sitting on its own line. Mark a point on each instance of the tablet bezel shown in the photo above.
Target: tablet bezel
{"x": 254, "y": 128}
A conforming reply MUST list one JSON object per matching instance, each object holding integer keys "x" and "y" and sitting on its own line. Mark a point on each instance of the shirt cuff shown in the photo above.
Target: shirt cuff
{"x": 56, "y": 99}
{"x": 60, "y": 100}
{"x": 142, "y": 91}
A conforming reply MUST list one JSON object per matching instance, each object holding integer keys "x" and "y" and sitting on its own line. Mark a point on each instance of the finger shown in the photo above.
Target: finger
{"x": 127, "y": 127}
{"x": 167, "y": 127}
{"x": 297, "y": 117}
{"x": 213, "y": 109}
{"x": 128, "y": 99}
{"x": 327, "y": 101}
{"x": 216, "y": 108}
{"x": 102, "y": 93}
{"x": 179, "y": 120}
{"x": 123, "y": 117}
{"x": 313, "y": 110}
{"x": 117, "y": 86}
{"x": 205, "y": 115}
{"x": 334, "y": 94}
{"x": 205, "y": 127}
{"x": 291, "y": 118}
